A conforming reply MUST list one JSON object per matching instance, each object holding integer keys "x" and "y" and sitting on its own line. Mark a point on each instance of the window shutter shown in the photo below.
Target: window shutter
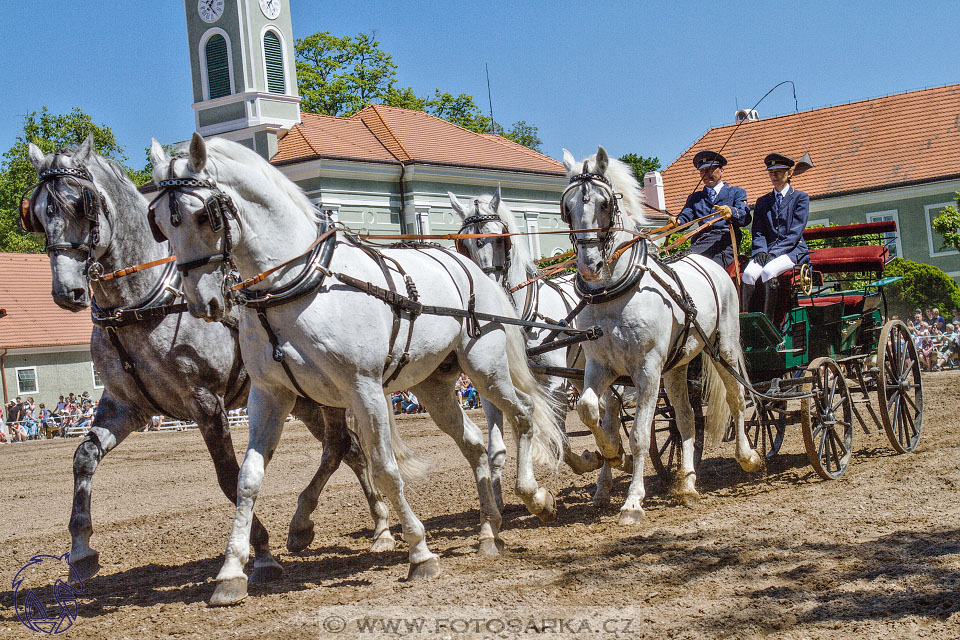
{"x": 273, "y": 54}
{"x": 218, "y": 67}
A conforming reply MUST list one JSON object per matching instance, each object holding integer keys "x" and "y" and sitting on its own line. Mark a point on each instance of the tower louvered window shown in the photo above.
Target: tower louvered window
{"x": 273, "y": 54}
{"x": 218, "y": 67}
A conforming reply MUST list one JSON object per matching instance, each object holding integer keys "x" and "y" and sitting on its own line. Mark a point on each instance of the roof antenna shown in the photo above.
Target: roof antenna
{"x": 489, "y": 98}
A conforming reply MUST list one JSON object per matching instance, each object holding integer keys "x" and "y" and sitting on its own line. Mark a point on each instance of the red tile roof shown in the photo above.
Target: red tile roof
{"x": 33, "y": 318}
{"x": 906, "y": 138}
{"x": 390, "y": 134}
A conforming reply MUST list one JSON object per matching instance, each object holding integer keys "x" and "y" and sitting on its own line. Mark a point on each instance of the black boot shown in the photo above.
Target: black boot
{"x": 747, "y": 292}
{"x": 771, "y": 299}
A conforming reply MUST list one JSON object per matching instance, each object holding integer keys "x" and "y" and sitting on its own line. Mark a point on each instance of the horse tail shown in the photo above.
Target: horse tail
{"x": 717, "y": 411}
{"x": 411, "y": 466}
{"x": 548, "y": 436}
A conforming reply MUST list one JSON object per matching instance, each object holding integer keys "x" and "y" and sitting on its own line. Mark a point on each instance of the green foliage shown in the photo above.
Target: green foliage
{"x": 50, "y": 132}
{"x": 339, "y": 76}
{"x": 641, "y": 164}
{"x": 923, "y": 286}
{"x": 947, "y": 224}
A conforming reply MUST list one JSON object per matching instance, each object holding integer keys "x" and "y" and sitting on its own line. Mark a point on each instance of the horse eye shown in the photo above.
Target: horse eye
{"x": 202, "y": 218}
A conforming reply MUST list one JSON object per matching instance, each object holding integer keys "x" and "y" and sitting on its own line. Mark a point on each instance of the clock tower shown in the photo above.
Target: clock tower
{"x": 244, "y": 76}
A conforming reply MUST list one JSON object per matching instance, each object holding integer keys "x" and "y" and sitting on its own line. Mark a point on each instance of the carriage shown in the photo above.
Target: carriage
{"x": 827, "y": 359}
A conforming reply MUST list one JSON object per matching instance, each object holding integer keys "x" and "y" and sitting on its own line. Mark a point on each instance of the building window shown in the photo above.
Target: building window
{"x": 27, "y": 380}
{"x": 892, "y": 238}
{"x": 218, "y": 66}
{"x": 97, "y": 382}
{"x": 934, "y": 239}
{"x": 273, "y": 57}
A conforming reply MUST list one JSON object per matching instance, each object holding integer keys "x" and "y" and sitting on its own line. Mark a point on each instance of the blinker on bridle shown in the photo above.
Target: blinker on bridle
{"x": 480, "y": 219}
{"x": 92, "y": 202}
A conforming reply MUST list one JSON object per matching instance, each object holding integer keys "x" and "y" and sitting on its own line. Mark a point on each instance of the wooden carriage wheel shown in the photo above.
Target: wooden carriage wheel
{"x": 766, "y": 434}
{"x": 665, "y": 443}
{"x": 899, "y": 388}
{"x": 826, "y": 419}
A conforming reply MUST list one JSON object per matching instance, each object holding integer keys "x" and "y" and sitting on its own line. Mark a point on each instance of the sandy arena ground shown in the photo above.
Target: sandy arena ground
{"x": 781, "y": 554}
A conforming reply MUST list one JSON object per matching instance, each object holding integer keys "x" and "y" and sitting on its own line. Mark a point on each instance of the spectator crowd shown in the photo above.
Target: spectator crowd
{"x": 25, "y": 420}
{"x": 406, "y": 402}
{"x": 936, "y": 338}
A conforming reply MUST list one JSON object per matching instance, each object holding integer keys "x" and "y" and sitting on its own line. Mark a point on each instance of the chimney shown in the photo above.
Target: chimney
{"x": 746, "y": 114}
{"x": 653, "y": 190}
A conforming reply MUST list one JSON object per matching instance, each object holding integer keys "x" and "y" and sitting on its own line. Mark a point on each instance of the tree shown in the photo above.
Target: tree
{"x": 50, "y": 132}
{"x": 922, "y": 286}
{"x": 640, "y": 164}
{"x": 947, "y": 224}
{"x": 339, "y": 76}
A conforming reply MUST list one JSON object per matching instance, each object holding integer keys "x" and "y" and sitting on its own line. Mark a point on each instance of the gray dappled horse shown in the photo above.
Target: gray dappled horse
{"x": 318, "y": 324}
{"x": 95, "y": 219}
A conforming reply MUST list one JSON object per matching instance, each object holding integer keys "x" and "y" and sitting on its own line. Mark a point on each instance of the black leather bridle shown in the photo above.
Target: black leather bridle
{"x": 581, "y": 181}
{"x": 92, "y": 203}
{"x": 479, "y": 219}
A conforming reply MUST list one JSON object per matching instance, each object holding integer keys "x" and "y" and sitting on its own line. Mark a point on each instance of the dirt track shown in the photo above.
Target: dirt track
{"x": 780, "y": 554}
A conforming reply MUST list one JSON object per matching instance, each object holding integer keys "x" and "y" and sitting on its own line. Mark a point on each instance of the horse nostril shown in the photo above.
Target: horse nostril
{"x": 214, "y": 308}
{"x": 79, "y": 295}
{"x": 599, "y": 266}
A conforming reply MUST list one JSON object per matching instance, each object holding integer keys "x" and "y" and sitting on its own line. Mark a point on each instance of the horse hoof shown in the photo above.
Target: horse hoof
{"x": 548, "y": 512}
{"x": 601, "y": 500}
{"x": 592, "y": 460}
{"x": 85, "y": 567}
{"x": 297, "y": 541}
{"x": 266, "y": 572}
{"x": 753, "y": 463}
{"x": 384, "y": 542}
{"x": 687, "y": 499}
{"x": 229, "y": 591}
{"x": 631, "y": 516}
{"x": 426, "y": 570}
{"x": 490, "y": 547}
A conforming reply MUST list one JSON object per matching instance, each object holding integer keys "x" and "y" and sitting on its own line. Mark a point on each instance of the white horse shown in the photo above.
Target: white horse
{"x": 634, "y": 300}
{"x": 223, "y": 204}
{"x": 509, "y": 263}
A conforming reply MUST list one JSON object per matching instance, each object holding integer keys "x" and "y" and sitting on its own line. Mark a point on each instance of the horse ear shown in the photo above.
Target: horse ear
{"x": 495, "y": 200}
{"x": 198, "y": 153}
{"x": 603, "y": 160}
{"x": 158, "y": 157}
{"x": 37, "y": 159}
{"x": 84, "y": 151}
{"x": 569, "y": 162}
{"x": 457, "y": 205}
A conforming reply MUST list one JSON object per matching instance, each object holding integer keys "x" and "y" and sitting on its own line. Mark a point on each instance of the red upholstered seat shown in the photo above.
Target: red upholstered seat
{"x": 852, "y": 303}
{"x": 847, "y": 259}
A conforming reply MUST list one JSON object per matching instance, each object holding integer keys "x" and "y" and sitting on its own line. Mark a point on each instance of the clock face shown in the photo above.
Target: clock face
{"x": 210, "y": 10}
{"x": 270, "y": 8}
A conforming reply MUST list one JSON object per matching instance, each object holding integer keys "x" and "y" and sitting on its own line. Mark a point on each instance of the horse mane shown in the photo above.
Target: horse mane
{"x": 124, "y": 191}
{"x": 221, "y": 150}
{"x": 624, "y": 182}
{"x": 518, "y": 245}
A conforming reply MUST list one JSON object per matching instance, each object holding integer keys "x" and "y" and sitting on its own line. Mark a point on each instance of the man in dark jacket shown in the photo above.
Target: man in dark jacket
{"x": 779, "y": 218}
{"x": 715, "y": 197}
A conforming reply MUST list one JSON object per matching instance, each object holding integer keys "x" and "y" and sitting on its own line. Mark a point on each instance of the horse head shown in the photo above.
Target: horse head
{"x": 484, "y": 215}
{"x": 592, "y": 201}
{"x": 69, "y": 208}
{"x": 190, "y": 212}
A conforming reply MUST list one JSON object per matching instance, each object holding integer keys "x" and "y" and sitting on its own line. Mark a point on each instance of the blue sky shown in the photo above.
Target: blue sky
{"x": 634, "y": 76}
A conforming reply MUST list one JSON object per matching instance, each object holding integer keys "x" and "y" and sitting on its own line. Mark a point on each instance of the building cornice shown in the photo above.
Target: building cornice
{"x": 860, "y": 197}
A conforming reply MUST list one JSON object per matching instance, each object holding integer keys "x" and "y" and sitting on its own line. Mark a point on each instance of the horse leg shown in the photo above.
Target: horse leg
{"x": 578, "y": 463}
{"x": 329, "y": 425}
{"x": 215, "y": 430}
{"x": 450, "y": 417}
{"x": 749, "y": 459}
{"x": 114, "y": 423}
{"x": 609, "y": 424}
{"x": 496, "y": 449}
{"x": 268, "y": 410}
{"x": 647, "y": 381}
{"x": 596, "y": 379}
{"x": 675, "y": 384}
{"x": 373, "y": 427}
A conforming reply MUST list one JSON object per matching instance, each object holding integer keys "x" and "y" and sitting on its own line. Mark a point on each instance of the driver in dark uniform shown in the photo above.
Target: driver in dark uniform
{"x": 715, "y": 197}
